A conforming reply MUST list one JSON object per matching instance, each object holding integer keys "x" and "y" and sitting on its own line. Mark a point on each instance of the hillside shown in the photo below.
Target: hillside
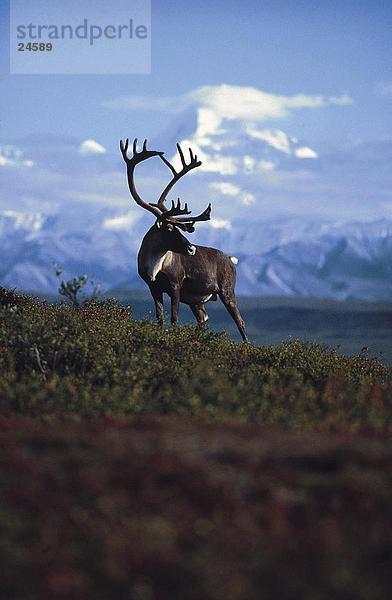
{"x": 145, "y": 463}
{"x": 98, "y": 360}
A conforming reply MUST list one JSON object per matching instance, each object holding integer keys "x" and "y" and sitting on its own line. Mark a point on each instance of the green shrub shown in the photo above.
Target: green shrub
{"x": 97, "y": 360}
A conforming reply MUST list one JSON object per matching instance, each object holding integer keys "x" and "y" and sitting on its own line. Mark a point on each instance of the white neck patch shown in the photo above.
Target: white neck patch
{"x": 156, "y": 263}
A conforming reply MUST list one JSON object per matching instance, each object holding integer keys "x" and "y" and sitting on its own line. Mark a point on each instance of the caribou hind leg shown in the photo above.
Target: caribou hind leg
{"x": 230, "y": 302}
{"x": 200, "y": 313}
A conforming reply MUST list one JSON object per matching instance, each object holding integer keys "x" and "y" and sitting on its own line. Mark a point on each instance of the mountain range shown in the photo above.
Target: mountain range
{"x": 288, "y": 258}
{"x": 276, "y": 205}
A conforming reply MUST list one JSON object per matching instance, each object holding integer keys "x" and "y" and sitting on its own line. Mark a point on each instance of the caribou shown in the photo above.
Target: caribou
{"x": 168, "y": 262}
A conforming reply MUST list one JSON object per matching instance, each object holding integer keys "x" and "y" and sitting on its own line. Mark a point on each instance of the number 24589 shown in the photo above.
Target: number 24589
{"x": 35, "y": 47}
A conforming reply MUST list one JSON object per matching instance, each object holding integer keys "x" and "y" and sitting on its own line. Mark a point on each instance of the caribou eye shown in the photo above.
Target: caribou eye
{"x": 169, "y": 226}
{"x": 191, "y": 250}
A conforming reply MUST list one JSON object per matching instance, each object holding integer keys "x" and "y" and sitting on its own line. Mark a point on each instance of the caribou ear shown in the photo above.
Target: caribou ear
{"x": 190, "y": 227}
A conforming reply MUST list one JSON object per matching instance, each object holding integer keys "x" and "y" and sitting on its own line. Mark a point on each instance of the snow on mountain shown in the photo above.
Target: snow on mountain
{"x": 351, "y": 260}
{"x": 71, "y": 206}
{"x": 233, "y": 146}
{"x": 248, "y": 167}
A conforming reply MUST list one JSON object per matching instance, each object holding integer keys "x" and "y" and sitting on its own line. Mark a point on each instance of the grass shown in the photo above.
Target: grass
{"x": 141, "y": 463}
{"x": 97, "y": 360}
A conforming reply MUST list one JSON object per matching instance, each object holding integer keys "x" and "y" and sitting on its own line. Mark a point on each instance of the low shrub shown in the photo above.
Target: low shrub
{"x": 97, "y": 360}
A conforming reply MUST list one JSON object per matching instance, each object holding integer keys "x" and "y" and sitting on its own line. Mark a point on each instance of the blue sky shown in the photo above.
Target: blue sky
{"x": 335, "y": 49}
{"x": 283, "y": 47}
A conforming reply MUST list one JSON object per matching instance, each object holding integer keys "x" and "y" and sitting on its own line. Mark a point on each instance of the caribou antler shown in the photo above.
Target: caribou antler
{"x": 176, "y": 209}
{"x": 131, "y": 163}
{"x": 171, "y": 215}
{"x": 204, "y": 216}
{"x": 177, "y": 175}
{"x": 185, "y": 223}
{"x": 137, "y": 157}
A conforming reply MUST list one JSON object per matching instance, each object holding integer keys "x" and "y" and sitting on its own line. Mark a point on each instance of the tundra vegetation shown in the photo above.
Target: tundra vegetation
{"x": 144, "y": 462}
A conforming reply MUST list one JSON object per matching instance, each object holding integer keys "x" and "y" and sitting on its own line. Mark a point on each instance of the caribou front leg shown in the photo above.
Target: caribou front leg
{"x": 175, "y": 303}
{"x": 158, "y": 299}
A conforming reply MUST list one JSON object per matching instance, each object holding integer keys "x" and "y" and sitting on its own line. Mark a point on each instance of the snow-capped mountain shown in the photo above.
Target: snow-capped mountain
{"x": 351, "y": 260}
{"x": 302, "y": 220}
